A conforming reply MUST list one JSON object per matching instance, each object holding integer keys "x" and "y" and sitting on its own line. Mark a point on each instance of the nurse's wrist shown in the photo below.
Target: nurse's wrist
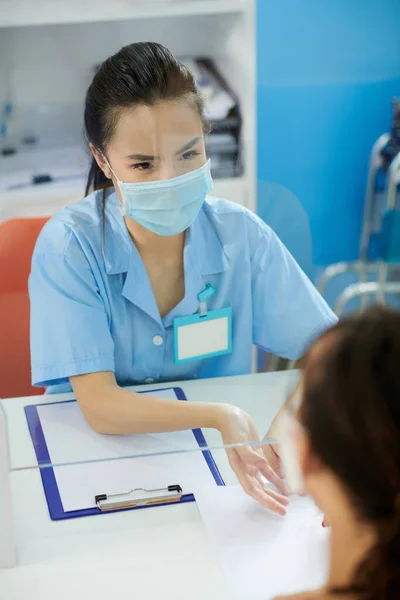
{"x": 219, "y": 415}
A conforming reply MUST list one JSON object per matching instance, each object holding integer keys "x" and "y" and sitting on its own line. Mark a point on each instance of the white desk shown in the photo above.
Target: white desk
{"x": 151, "y": 553}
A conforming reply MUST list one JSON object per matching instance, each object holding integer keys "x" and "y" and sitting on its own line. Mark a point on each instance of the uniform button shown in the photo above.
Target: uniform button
{"x": 149, "y": 380}
{"x": 158, "y": 340}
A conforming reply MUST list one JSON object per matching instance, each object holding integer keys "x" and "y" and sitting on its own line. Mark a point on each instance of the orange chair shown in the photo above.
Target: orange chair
{"x": 17, "y": 241}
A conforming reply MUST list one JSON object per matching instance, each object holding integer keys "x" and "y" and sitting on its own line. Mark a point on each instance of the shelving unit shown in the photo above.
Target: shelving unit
{"x": 17, "y": 13}
{"x": 40, "y": 201}
{"x": 53, "y": 46}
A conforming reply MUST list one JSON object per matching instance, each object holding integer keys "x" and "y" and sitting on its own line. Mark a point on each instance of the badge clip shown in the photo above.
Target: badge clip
{"x": 203, "y": 296}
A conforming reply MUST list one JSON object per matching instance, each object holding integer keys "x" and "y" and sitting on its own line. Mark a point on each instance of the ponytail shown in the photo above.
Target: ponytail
{"x": 96, "y": 179}
{"x": 378, "y": 576}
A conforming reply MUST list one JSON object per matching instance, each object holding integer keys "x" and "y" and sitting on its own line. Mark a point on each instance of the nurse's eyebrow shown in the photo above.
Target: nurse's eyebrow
{"x": 189, "y": 145}
{"x": 143, "y": 157}
{"x": 148, "y": 157}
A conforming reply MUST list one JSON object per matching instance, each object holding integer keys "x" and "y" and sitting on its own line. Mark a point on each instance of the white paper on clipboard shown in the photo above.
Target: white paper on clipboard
{"x": 70, "y": 439}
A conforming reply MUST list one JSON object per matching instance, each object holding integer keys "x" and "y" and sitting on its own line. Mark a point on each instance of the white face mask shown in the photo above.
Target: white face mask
{"x": 166, "y": 207}
{"x": 289, "y": 430}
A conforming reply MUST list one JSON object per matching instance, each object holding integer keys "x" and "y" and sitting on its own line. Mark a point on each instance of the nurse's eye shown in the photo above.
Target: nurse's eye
{"x": 190, "y": 154}
{"x": 143, "y": 166}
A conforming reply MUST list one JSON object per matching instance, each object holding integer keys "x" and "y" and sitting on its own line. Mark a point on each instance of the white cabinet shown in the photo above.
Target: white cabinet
{"x": 48, "y": 49}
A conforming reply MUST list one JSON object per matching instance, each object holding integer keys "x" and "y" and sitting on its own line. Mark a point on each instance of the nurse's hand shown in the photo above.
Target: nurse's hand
{"x": 248, "y": 462}
{"x": 272, "y": 454}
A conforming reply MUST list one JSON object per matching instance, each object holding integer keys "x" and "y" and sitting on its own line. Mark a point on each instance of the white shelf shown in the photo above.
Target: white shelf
{"x": 17, "y": 13}
{"x": 47, "y": 199}
{"x": 40, "y": 200}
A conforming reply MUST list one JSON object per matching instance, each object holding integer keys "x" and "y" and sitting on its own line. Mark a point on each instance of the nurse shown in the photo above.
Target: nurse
{"x": 149, "y": 279}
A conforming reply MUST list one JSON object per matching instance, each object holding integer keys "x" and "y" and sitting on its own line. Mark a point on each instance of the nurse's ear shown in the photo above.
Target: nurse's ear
{"x": 101, "y": 162}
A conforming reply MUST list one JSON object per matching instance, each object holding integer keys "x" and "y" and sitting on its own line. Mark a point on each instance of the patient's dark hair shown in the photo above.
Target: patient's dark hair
{"x": 351, "y": 411}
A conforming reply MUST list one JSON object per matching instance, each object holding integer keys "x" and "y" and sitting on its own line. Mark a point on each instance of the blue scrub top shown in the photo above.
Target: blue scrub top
{"x": 93, "y": 308}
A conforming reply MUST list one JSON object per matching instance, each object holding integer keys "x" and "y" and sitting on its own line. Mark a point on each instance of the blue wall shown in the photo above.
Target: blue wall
{"x": 326, "y": 73}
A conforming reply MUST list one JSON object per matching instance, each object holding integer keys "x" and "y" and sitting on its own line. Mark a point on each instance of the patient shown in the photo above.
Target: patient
{"x": 341, "y": 445}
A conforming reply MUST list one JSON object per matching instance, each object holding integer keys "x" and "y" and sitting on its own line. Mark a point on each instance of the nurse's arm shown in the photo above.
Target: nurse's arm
{"x": 110, "y": 409}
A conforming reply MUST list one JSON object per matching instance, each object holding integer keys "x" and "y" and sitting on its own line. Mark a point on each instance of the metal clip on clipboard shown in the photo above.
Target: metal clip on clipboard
{"x": 139, "y": 497}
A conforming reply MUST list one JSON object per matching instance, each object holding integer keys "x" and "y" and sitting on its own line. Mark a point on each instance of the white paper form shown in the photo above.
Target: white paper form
{"x": 70, "y": 439}
{"x": 261, "y": 554}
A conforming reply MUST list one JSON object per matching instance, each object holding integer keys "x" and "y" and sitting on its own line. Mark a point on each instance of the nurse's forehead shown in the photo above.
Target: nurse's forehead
{"x": 166, "y": 121}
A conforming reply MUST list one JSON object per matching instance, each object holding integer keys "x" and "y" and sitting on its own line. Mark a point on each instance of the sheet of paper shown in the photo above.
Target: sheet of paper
{"x": 70, "y": 439}
{"x": 79, "y": 484}
{"x": 264, "y": 555}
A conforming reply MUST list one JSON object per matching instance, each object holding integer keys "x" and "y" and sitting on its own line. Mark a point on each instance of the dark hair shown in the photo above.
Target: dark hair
{"x": 139, "y": 74}
{"x": 351, "y": 411}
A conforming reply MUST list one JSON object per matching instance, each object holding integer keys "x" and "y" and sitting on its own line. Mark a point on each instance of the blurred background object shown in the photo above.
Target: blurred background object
{"x": 17, "y": 241}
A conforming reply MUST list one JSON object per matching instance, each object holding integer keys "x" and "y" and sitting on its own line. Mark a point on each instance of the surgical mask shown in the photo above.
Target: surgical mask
{"x": 289, "y": 429}
{"x": 169, "y": 206}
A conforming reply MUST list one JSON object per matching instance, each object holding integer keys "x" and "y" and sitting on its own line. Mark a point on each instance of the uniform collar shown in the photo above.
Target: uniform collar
{"x": 205, "y": 247}
{"x": 204, "y": 255}
{"x": 202, "y": 244}
{"x": 117, "y": 243}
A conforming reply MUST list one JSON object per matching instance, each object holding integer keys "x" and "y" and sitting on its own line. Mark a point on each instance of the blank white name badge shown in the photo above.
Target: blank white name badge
{"x": 203, "y": 336}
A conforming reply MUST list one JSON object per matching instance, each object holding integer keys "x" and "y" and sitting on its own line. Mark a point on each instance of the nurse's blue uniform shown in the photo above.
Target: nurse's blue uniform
{"x": 93, "y": 308}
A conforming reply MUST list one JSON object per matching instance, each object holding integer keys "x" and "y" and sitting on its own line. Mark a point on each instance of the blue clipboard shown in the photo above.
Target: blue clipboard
{"x": 49, "y": 481}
